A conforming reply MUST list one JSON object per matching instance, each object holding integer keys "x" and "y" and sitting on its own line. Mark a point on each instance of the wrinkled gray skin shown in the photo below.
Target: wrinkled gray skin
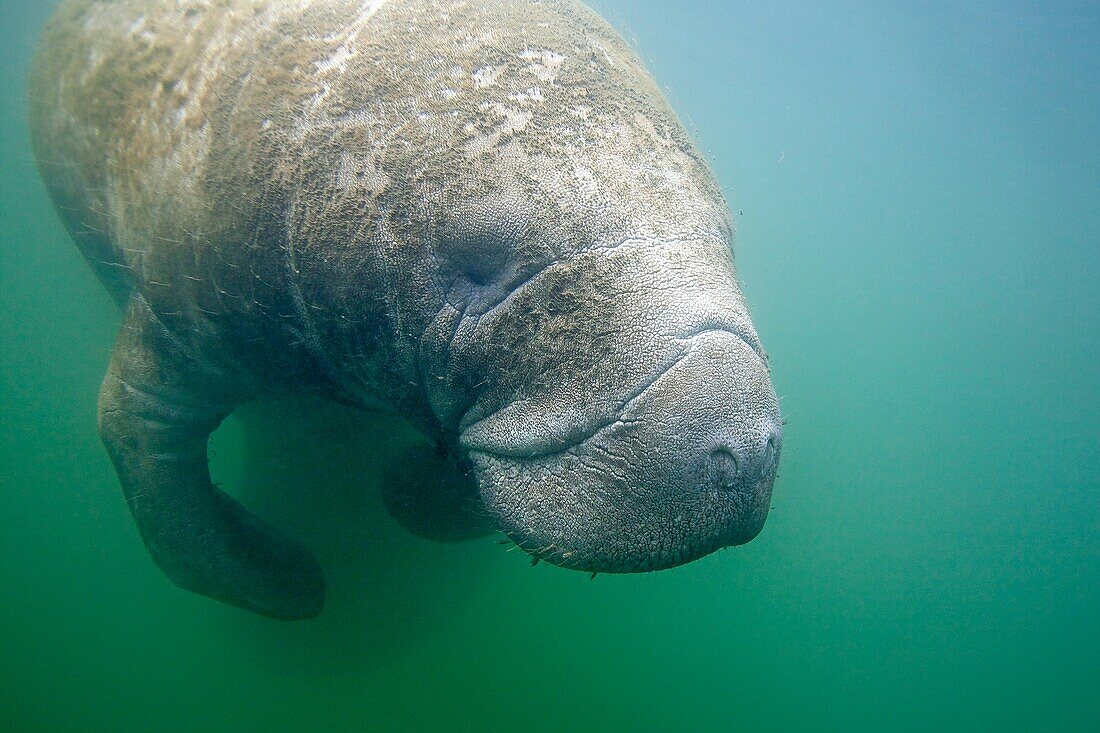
{"x": 483, "y": 215}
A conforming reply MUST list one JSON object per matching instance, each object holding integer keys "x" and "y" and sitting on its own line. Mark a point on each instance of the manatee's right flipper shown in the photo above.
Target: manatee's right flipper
{"x": 157, "y": 408}
{"x": 434, "y": 496}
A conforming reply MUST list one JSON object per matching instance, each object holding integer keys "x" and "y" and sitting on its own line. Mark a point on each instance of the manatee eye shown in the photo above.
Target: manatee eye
{"x": 482, "y": 264}
{"x": 478, "y": 246}
{"x": 473, "y": 259}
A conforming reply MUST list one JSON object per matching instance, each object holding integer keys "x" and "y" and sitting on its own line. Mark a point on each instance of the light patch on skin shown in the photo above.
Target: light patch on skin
{"x": 511, "y": 121}
{"x": 546, "y": 64}
{"x": 581, "y": 112}
{"x": 586, "y": 183}
{"x": 95, "y": 58}
{"x": 351, "y": 35}
{"x": 532, "y": 95}
{"x": 649, "y": 129}
{"x": 338, "y": 61}
{"x": 514, "y": 120}
{"x": 607, "y": 57}
{"x": 486, "y": 76}
{"x": 371, "y": 7}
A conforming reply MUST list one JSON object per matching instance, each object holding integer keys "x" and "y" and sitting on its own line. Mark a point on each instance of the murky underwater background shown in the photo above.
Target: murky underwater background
{"x": 917, "y": 191}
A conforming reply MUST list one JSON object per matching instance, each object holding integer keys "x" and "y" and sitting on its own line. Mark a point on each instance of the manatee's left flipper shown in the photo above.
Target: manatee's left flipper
{"x": 434, "y": 495}
{"x": 157, "y": 407}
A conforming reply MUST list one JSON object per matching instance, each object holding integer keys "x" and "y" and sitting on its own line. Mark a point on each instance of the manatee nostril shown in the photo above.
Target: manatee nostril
{"x": 771, "y": 451}
{"x": 722, "y": 469}
{"x": 479, "y": 274}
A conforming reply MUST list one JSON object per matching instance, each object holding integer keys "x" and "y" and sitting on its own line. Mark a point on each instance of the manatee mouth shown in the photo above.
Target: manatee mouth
{"x": 520, "y": 437}
{"x": 683, "y": 467}
{"x": 562, "y": 528}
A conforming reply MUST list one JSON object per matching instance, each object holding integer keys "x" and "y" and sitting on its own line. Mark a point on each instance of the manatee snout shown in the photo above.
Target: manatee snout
{"x": 718, "y": 417}
{"x": 684, "y": 468}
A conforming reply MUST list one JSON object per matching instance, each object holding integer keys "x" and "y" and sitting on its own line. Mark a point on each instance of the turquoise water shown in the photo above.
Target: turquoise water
{"x": 918, "y": 202}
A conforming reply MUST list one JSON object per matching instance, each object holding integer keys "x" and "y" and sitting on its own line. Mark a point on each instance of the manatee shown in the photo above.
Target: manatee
{"x": 482, "y": 216}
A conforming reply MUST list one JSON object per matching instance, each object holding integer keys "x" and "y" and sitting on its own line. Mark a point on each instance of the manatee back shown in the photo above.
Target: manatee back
{"x": 77, "y": 107}
{"x": 132, "y": 108}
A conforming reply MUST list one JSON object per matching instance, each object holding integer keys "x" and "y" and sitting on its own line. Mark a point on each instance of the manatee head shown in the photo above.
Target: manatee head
{"x": 616, "y": 404}
{"x": 593, "y": 357}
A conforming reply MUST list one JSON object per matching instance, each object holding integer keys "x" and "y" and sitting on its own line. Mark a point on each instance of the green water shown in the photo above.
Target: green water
{"x": 920, "y": 241}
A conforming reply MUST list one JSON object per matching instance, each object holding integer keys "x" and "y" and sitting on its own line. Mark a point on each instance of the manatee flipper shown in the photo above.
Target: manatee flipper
{"x": 434, "y": 496}
{"x": 157, "y": 408}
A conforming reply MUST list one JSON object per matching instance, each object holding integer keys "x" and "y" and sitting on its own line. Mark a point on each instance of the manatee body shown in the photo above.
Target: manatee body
{"x": 481, "y": 215}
